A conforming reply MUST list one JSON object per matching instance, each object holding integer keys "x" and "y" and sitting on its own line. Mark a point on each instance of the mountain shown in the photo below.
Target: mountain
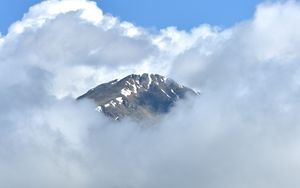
{"x": 145, "y": 96}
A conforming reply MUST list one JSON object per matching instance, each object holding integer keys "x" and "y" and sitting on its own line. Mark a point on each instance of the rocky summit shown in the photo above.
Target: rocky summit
{"x": 139, "y": 97}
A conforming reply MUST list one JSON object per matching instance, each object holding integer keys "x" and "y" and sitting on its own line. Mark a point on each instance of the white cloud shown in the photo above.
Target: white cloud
{"x": 283, "y": 41}
{"x": 1, "y": 40}
{"x": 241, "y": 132}
{"x": 48, "y": 10}
{"x": 176, "y": 42}
{"x": 65, "y": 44}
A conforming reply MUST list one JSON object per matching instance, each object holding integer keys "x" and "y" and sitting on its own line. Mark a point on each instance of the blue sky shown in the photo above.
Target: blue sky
{"x": 184, "y": 14}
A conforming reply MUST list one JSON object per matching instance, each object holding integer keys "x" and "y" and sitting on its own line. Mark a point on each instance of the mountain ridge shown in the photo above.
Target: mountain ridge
{"x": 139, "y": 97}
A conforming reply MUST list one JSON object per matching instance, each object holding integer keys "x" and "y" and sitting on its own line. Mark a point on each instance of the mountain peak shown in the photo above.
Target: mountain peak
{"x": 137, "y": 96}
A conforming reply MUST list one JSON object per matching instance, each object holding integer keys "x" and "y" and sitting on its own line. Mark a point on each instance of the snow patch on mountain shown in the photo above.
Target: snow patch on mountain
{"x": 126, "y": 92}
{"x": 142, "y": 96}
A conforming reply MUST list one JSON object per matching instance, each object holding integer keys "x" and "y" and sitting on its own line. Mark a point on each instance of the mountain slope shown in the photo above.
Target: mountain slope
{"x": 137, "y": 96}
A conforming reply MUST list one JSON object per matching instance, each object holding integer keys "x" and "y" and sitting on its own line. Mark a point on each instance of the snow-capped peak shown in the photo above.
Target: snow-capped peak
{"x": 137, "y": 96}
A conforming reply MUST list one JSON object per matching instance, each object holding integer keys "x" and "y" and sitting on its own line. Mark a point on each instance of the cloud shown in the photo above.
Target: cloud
{"x": 241, "y": 132}
{"x": 48, "y": 10}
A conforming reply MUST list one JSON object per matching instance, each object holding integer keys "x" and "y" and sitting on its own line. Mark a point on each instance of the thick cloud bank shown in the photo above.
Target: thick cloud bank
{"x": 243, "y": 131}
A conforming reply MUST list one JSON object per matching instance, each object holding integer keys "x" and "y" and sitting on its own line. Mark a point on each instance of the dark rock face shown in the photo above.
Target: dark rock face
{"x": 137, "y": 96}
